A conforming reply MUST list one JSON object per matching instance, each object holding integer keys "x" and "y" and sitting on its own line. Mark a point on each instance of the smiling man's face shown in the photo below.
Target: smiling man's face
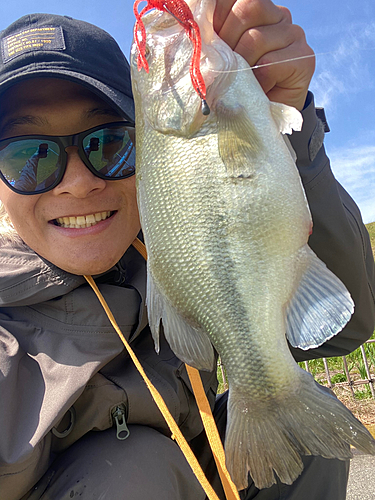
{"x": 57, "y": 107}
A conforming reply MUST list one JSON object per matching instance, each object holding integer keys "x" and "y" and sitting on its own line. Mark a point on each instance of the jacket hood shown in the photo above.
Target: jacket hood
{"x": 27, "y": 279}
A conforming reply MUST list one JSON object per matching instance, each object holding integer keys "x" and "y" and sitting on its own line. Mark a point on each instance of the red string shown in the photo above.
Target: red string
{"x": 182, "y": 13}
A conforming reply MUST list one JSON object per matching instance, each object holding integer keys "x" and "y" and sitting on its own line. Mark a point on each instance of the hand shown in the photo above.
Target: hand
{"x": 262, "y": 33}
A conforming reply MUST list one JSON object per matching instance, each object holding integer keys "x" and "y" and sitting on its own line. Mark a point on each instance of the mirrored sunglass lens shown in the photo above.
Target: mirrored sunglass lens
{"x": 30, "y": 165}
{"x": 111, "y": 151}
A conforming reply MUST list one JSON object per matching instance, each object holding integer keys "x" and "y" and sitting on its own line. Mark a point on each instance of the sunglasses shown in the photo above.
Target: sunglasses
{"x": 34, "y": 164}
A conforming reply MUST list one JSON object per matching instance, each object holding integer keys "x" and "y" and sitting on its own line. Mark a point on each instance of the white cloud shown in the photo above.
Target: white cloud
{"x": 326, "y": 87}
{"x": 348, "y": 68}
{"x": 354, "y": 168}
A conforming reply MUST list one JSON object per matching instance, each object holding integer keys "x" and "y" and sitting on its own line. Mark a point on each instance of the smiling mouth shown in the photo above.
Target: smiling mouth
{"x": 82, "y": 221}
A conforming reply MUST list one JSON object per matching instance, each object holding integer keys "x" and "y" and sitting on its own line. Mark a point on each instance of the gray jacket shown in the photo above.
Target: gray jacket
{"x": 63, "y": 371}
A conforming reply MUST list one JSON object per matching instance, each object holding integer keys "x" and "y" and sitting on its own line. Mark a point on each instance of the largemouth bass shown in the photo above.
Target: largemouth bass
{"x": 226, "y": 225}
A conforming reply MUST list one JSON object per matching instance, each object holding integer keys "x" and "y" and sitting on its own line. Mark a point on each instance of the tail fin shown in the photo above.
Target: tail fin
{"x": 270, "y": 437}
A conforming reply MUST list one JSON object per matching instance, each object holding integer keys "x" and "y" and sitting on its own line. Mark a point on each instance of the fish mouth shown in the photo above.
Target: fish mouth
{"x": 82, "y": 221}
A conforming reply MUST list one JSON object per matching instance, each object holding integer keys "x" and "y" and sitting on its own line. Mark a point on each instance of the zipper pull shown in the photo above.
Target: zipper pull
{"x": 119, "y": 416}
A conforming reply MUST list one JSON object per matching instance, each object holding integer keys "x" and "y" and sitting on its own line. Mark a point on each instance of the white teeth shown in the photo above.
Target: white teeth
{"x": 90, "y": 219}
{"x": 82, "y": 221}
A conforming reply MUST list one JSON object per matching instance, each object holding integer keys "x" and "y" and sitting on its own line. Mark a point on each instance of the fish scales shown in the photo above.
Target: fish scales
{"x": 194, "y": 233}
{"x": 226, "y": 224}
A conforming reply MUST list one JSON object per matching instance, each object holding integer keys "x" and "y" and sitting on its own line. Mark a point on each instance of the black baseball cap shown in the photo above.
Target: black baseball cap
{"x": 48, "y": 45}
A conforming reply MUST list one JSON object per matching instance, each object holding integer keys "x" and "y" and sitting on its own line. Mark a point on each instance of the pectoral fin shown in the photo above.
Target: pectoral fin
{"x": 189, "y": 344}
{"x": 321, "y": 305}
{"x": 239, "y": 141}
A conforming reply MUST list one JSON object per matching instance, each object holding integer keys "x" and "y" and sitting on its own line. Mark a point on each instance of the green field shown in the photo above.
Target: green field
{"x": 371, "y": 232}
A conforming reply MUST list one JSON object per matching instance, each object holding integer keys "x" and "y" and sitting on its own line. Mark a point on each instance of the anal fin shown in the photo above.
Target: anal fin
{"x": 189, "y": 344}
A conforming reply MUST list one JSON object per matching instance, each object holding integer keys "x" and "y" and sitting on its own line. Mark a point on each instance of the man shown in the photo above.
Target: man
{"x": 66, "y": 384}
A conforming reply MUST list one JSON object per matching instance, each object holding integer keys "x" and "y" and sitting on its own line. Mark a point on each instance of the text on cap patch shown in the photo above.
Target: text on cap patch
{"x": 31, "y": 39}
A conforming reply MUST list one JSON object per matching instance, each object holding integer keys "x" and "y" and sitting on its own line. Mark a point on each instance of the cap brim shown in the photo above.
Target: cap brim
{"x": 123, "y": 103}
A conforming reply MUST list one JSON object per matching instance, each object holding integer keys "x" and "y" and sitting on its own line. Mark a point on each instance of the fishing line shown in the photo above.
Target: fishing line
{"x": 272, "y": 63}
{"x": 260, "y": 66}
{"x": 285, "y": 61}
{"x": 301, "y": 57}
{"x": 257, "y": 66}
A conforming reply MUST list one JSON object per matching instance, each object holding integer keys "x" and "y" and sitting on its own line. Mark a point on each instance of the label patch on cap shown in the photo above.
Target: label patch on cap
{"x": 43, "y": 38}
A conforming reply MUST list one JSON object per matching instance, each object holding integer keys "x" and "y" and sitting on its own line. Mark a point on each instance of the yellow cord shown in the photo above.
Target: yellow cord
{"x": 208, "y": 420}
{"x": 202, "y": 402}
{"x": 176, "y": 433}
{"x": 140, "y": 247}
{"x": 213, "y": 436}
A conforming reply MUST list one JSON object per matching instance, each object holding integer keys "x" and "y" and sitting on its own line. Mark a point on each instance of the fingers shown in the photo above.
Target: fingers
{"x": 285, "y": 76}
{"x": 263, "y": 33}
{"x": 234, "y": 17}
{"x": 287, "y": 82}
{"x": 281, "y": 64}
{"x": 257, "y": 42}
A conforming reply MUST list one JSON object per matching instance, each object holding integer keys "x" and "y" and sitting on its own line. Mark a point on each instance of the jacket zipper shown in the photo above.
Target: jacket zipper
{"x": 119, "y": 416}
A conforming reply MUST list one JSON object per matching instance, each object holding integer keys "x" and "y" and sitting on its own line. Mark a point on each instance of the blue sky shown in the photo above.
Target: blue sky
{"x": 341, "y": 32}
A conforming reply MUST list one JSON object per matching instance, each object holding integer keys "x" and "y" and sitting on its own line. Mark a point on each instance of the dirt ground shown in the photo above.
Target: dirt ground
{"x": 363, "y": 409}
